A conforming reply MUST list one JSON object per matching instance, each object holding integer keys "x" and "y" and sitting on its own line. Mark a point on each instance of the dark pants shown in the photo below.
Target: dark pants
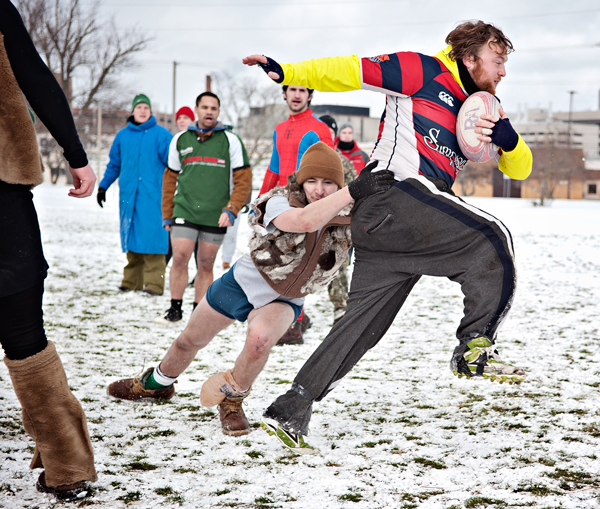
{"x": 22, "y": 333}
{"x": 22, "y": 272}
{"x": 412, "y": 230}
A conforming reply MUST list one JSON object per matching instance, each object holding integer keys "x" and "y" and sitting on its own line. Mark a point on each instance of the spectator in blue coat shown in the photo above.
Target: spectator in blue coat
{"x": 138, "y": 158}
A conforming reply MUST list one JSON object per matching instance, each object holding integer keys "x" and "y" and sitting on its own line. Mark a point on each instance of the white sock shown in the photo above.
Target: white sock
{"x": 161, "y": 378}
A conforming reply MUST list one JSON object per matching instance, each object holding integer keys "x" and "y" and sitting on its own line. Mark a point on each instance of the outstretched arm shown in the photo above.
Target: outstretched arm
{"x": 317, "y": 214}
{"x": 331, "y": 74}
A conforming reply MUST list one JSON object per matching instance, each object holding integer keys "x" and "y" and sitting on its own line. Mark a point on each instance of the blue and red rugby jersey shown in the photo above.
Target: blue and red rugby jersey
{"x": 417, "y": 133}
{"x": 290, "y": 140}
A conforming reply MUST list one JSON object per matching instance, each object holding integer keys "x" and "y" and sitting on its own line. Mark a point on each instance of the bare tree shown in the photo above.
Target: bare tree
{"x": 473, "y": 175}
{"x": 552, "y": 165}
{"x": 252, "y": 109}
{"x": 79, "y": 47}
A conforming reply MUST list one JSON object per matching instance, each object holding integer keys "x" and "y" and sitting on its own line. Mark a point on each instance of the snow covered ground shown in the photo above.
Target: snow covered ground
{"x": 400, "y": 431}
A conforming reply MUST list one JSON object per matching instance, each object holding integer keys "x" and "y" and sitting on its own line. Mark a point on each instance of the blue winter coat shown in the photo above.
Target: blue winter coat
{"x": 138, "y": 158}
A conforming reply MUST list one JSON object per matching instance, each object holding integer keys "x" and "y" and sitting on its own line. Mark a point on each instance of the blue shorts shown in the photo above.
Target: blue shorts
{"x": 226, "y": 296}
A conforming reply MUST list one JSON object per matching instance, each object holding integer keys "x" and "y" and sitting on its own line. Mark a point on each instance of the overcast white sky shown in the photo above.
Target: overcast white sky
{"x": 557, "y": 43}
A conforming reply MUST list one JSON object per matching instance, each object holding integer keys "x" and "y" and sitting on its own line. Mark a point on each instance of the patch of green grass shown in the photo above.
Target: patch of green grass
{"x": 178, "y": 499}
{"x": 153, "y": 434}
{"x": 130, "y": 496}
{"x": 538, "y": 490}
{"x": 167, "y": 490}
{"x": 218, "y": 493}
{"x": 140, "y": 465}
{"x": 592, "y": 429}
{"x": 207, "y": 415}
{"x": 484, "y": 502}
{"x": 547, "y": 461}
{"x": 184, "y": 470}
{"x": 424, "y": 495}
{"x": 507, "y": 410}
{"x": 373, "y": 444}
{"x": 430, "y": 463}
{"x": 255, "y": 454}
{"x": 572, "y": 480}
{"x": 236, "y": 481}
{"x": 351, "y": 497}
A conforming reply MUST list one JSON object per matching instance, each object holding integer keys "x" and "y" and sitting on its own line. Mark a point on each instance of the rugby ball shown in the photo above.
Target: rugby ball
{"x": 477, "y": 104}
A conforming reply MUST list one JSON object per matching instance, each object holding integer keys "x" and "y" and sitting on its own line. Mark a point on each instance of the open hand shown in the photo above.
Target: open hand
{"x": 272, "y": 68}
{"x": 84, "y": 180}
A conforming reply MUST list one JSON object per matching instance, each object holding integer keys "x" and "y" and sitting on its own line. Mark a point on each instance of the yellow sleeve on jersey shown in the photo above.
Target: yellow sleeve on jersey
{"x": 331, "y": 74}
{"x": 517, "y": 163}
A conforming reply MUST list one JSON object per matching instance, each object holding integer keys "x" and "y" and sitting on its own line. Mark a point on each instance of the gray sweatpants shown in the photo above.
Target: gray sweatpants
{"x": 414, "y": 229}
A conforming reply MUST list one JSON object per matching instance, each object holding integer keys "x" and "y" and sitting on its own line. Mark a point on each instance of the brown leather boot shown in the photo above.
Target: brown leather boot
{"x": 133, "y": 389}
{"x": 233, "y": 420}
{"x": 54, "y": 419}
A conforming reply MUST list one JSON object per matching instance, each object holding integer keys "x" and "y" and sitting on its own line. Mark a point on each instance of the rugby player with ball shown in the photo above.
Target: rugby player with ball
{"x": 418, "y": 227}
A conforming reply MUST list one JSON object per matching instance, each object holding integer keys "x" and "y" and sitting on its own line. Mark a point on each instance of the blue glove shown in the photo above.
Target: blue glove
{"x": 272, "y": 66}
{"x": 504, "y": 136}
{"x": 231, "y": 216}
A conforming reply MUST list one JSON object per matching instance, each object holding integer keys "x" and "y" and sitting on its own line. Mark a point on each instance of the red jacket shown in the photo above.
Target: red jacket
{"x": 290, "y": 140}
{"x": 358, "y": 157}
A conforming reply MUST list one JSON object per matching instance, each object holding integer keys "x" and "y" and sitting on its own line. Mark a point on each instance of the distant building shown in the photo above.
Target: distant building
{"x": 566, "y": 157}
{"x": 366, "y": 128}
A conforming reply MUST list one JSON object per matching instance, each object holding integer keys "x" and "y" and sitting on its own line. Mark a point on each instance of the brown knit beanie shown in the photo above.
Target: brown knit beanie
{"x": 323, "y": 162}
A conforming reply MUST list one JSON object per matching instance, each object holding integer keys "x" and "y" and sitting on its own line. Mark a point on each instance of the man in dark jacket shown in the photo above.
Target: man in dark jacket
{"x": 301, "y": 238}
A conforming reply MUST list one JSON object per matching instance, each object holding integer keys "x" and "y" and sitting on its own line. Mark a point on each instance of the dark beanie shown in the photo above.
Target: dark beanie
{"x": 320, "y": 161}
{"x": 139, "y": 99}
{"x": 330, "y": 121}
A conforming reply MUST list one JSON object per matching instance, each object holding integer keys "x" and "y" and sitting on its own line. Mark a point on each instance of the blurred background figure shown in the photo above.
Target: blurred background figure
{"x": 347, "y": 146}
{"x": 184, "y": 117}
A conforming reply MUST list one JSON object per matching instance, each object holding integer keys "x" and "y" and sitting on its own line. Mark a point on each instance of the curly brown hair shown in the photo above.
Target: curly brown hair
{"x": 468, "y": 38}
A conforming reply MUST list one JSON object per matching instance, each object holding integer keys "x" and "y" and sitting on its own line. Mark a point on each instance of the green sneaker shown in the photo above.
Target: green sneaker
{"x": 479, "y": 358}
{"x": 289, "y": 440}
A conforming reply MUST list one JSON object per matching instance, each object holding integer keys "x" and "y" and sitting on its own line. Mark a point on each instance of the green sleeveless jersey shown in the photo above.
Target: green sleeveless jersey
{"x": 205, "y": 177}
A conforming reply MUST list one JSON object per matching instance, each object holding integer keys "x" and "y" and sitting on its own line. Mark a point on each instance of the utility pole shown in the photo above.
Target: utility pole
{"x": 175, "y": 64}
{"x": 99, "y": 139}
{"x": 571, "y": 93}
{"x": 208, "y": 83}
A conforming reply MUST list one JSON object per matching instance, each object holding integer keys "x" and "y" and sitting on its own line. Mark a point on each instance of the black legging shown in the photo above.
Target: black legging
{"x": 22, "y": 331}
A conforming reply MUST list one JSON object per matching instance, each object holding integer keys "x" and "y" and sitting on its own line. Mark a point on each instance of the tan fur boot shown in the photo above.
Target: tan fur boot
{"x": 54, "y": 418}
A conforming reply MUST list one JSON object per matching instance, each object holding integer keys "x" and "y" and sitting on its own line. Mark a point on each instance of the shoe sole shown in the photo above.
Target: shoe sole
{"x": 271, "y": 429}
{"x": 509, "y": 379}
{"x": 236, "y": 432}
{"x": 162, "y": 321}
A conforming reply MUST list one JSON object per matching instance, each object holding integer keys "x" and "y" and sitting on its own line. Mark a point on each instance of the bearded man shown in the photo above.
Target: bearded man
{"x": 418, "y": 227}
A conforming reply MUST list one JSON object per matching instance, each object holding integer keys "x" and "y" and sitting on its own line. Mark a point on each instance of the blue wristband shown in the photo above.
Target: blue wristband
{"x": 504, "y": 136}
{"x": 231, "y": 216}
{"x": 272, "y": 66}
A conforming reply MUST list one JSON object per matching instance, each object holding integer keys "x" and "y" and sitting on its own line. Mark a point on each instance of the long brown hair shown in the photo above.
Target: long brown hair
{"x": 468, "y": 38}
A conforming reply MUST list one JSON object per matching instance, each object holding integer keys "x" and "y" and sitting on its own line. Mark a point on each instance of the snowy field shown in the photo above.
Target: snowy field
{"x": 399, "y": 432}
